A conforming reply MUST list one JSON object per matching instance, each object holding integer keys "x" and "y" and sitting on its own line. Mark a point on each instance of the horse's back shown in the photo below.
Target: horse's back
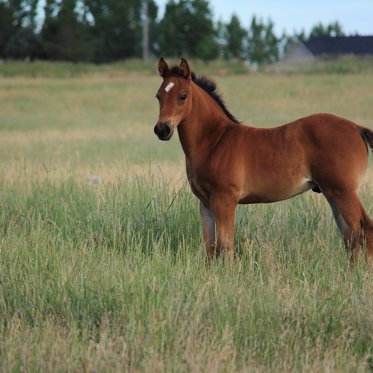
{"x": 316, "y": 152}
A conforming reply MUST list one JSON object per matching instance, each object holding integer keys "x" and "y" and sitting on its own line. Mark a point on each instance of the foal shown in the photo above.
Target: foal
{"x": 228, "y": 163}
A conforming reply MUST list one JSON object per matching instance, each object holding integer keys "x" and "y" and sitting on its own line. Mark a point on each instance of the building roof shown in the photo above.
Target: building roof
{"x": 338, "y": 45}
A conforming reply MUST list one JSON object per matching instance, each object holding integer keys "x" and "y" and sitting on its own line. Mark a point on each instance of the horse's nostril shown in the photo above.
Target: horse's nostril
{"x": 166, "y": 130}
{"x": 163, "y": 131}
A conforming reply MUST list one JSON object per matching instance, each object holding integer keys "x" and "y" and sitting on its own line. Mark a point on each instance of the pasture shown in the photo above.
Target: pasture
{"x": 102, "y": 267}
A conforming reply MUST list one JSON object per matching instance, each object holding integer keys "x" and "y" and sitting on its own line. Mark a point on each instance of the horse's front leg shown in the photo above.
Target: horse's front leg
{"x": 208, "y": 229}
{"x": 223, "y": 207}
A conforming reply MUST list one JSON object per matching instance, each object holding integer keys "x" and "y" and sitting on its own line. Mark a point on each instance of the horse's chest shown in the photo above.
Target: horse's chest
{"x": 199, "y": 189}
{"x": 198, "y": 185}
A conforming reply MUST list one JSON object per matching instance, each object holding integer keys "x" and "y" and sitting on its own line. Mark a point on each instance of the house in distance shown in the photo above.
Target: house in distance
{"x": 317, "y": 48}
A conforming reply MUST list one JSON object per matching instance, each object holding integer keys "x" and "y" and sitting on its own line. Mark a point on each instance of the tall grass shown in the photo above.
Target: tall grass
{"x": 112, "y": 278}
{"x": 102, "y": 266}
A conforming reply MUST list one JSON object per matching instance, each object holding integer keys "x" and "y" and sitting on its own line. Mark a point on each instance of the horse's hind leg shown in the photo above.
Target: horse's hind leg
{"x": 353, "y": 223}
{"x": 341, "y": 223}
{"x": 368, "y": 235}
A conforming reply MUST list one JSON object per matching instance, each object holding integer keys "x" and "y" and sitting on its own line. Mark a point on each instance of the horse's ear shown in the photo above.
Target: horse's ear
{"x": 184, "y": 67}
{"x": 163, "y": 67}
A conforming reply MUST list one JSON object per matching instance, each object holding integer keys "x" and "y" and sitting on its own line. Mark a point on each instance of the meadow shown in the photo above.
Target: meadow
{"x": 102, "y": 267}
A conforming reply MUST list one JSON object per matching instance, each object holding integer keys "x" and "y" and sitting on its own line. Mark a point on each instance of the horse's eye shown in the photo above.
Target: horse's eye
{"x": 183, "y": 97}
{"x": 157, "y": 96}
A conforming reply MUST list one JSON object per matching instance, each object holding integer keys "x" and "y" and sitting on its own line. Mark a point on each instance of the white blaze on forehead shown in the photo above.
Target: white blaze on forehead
{"x": 169, "y": 87}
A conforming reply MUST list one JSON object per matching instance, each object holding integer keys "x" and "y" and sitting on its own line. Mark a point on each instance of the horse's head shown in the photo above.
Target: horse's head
{"x": 173, "y": 96}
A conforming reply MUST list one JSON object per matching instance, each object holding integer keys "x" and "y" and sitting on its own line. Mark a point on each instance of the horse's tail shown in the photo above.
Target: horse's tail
{"x": 367, "y": 136}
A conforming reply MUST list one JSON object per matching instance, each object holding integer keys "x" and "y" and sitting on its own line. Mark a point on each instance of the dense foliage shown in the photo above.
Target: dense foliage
{"x": 110, "y": 30}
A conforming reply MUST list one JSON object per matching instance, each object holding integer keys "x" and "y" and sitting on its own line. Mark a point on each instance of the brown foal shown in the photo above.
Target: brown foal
{"x": 228, "y": 163}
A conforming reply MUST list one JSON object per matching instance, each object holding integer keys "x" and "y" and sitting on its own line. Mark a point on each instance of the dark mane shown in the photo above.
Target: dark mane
{"x": 208, "y": 86}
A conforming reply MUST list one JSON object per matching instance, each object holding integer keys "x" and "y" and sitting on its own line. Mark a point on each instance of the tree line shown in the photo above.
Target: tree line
{"x": 110, "y": 30}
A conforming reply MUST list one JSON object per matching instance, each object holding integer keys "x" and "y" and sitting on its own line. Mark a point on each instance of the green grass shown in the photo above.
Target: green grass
{"x": 60, "y": 70}
{"x": 63, "y": 70}
{"x": 341, "y": 65}
{"x": 112, "y": 278}
{"x": 101, "y": 261}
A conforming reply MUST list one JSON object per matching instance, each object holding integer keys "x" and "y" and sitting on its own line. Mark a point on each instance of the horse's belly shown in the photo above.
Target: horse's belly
{"x": 276, "y": 191}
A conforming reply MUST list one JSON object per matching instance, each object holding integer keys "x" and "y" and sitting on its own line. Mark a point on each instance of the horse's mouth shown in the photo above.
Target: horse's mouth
{"x": 165, "y": 138}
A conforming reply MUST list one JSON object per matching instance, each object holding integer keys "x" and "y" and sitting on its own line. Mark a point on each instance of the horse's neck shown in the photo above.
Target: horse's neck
{"x": 203, "y": 127}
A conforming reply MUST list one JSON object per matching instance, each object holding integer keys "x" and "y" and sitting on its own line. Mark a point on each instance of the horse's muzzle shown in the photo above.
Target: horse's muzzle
{"x": 164, "y": 131}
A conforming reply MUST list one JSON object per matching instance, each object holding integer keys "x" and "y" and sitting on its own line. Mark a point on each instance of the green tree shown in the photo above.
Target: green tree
{"x": 263, "y": 45}
{"x": 331, "y": 30}
{"x": 171, "y": 29}
{"x": 24, "y": 13}
{"x": 6, "y": 26}
{"x": 116, "y": 28}
{"x": 18, "y": 19}
{"x": 187, "y": 29}
{"x": 24, "y": 44}
{"x": 64, "y": 35}
{"x": 235, "y": 37}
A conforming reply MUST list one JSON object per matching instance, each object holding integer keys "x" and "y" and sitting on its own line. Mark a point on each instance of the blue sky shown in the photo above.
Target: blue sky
{"x": 356, "y": 16}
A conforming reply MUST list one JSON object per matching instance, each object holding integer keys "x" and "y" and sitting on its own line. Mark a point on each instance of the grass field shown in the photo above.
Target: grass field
{"x": 101, "y": 260}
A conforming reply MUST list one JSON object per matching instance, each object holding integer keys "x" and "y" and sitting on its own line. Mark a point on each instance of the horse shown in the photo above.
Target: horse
{"x": 230, "y": 163}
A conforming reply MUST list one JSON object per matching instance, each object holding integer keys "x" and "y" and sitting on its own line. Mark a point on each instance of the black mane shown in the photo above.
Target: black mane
{"x": 208, "y": 86}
